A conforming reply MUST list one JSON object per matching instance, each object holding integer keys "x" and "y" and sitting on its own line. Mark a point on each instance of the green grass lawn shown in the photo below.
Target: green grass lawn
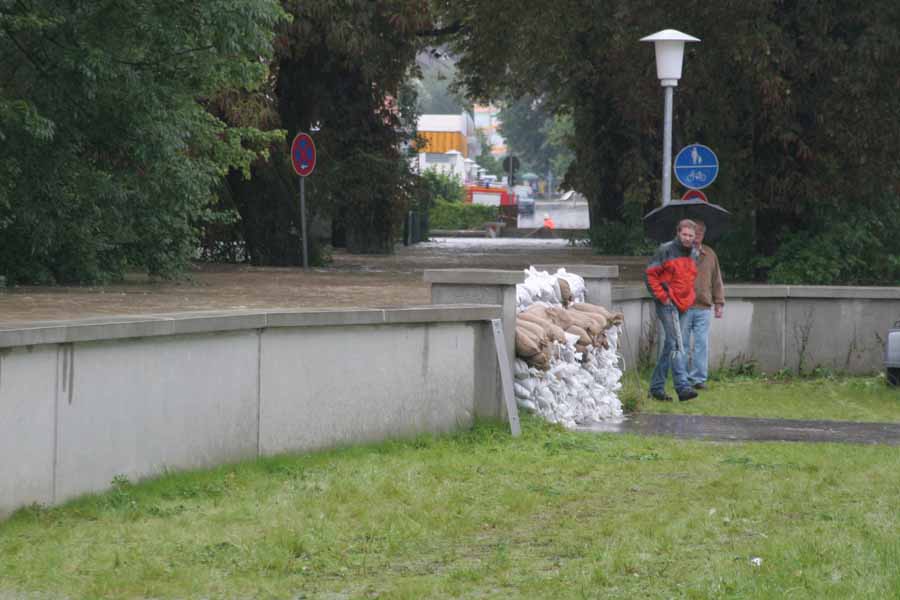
{"x": 552, "y": 514}
{"x": 831, "y": 398}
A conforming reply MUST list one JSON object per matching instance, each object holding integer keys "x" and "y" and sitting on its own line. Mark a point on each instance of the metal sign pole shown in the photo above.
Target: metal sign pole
{"x": 303, "y": 222}
{"x": 667, "y": 148}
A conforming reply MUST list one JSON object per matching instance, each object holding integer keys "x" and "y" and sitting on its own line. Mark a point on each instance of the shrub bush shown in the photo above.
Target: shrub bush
{"x": 843, "y": 247}
{"x": 456, "y": 215}
{"x": 440, "y": 186}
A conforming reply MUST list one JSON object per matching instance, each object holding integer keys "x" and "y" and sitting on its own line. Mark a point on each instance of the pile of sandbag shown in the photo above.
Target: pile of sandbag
{"x": 567, "y": 365}
{"x": 542, "y": 288}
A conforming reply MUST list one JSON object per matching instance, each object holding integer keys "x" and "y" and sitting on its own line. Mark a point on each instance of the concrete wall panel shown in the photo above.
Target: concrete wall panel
{"x": 490, "y": 404}
{"x": 840, "y": 328}
{"x": 749, "y": 331}
{"x": 324, "y": 387}
{"x": 633, "y": 332}
{"x": 27, "y": 405}
{"x": 847, "y": 335}
{"x": 139, "y": 407}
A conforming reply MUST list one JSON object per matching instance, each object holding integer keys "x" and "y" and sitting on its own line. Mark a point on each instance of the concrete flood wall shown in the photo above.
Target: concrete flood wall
{"x": 84, "y": 401}
{"x": 780, "y": 327}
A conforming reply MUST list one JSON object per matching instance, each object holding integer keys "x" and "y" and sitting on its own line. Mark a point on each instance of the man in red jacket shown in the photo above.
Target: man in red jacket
{"x": 670, "y": 278}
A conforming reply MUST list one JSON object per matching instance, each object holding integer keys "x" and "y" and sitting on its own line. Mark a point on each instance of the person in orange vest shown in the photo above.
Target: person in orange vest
{"x": 548, "y": 222}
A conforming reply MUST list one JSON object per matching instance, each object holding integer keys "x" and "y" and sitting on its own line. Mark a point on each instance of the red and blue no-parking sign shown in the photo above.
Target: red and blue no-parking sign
{"x": 303, "y": 154}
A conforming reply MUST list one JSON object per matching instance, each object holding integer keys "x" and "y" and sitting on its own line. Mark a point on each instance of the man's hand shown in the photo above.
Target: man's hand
{"x": 719, "y": 310}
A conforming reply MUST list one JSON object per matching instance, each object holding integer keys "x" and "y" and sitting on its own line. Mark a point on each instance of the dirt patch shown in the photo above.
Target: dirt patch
{"x": 350, "y": 281}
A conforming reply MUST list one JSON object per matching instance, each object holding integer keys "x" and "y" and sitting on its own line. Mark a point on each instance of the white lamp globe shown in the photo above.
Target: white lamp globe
{"x": 669, "y": 46}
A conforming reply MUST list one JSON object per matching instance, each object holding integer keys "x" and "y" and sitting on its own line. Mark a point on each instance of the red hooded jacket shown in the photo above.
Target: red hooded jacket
{"x": 671, "y": 274}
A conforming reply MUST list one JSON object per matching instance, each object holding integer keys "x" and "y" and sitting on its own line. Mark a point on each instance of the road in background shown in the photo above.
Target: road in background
{"x": 565, "y": 215}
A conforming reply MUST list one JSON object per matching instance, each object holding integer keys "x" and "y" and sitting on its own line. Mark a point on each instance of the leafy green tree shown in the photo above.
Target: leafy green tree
{"x": 522, "y": 125}
{"x": 343, "y": 71}
{"x": 434, "y": 91}
{"x": 798, "y": 99}
{"x": 486, "y": 160}
{"x": 109, "y": 156}
{"x": 441, "y": 186}
{"x": 560, "y": 132}
{"x": 537, "y": 136}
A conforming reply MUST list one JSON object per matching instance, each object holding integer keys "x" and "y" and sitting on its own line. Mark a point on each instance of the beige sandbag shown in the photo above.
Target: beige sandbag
{"x": 600, "y": 320}
{"x": 535, "y": 309}
{"x": 592, "y": 308}
{"x": 601, "y": 340}
{"x": 613, "y": 318}
{"x": 532, "y": 317}
{"x": 552, "y": 331}
{"x": 586, "y": 322}
{"x": 526, "y": 344}
{"x": 565, "y": 291}
{"x": 541, "y": 360}
{"x": 556, "y": 333}
{"x": 583, "y": 338}
{"x": 559, "y": 316}
{"x": 584, "y": 352}
{"x": 536, "y": 331}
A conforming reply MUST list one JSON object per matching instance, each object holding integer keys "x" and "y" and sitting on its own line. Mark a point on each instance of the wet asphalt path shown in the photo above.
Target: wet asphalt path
{"x": 742, "y": 429}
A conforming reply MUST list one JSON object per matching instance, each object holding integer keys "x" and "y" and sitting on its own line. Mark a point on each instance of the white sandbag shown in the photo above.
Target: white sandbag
{"x": 521, "y": 391}
{"x": 570, "y": 386}
{"x": 529, "y": 384}
{"x": 520, "y": 368}
{"x": 576, "y": 284}
{"x": 523, "y": 298}
{"x": 527, "y": 405}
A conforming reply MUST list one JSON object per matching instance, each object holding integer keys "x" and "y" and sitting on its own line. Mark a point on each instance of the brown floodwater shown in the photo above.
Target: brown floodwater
{"x": 350, "y": 281}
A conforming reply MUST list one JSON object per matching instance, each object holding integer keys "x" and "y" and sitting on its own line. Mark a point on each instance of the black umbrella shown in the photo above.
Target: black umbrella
{"x": 659, "y": 223}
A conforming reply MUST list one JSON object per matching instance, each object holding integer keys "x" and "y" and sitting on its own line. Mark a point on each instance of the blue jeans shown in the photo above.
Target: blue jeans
{"x": 696, "y": 325}
{"x": 666, "y": 360}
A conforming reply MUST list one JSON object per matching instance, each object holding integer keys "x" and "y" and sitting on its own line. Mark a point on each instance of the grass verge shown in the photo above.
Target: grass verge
{"x": 553, "y": 514}
{"x": 834, "y": 398}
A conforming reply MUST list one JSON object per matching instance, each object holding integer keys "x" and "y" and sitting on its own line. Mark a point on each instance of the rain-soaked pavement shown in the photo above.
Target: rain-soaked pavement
{"x": 737, "y": 429}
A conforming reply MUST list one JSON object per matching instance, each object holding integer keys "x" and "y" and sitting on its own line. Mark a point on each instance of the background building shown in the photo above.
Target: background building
{"x": 487, "y": 121}
{"x": 449, "y": 142}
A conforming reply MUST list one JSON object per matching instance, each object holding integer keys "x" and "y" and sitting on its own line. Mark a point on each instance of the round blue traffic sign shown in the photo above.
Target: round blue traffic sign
{"x": 696, "y": 166}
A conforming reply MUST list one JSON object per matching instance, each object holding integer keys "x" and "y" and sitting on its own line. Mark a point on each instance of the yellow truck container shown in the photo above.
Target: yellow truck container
{"x": 444, "y": 141}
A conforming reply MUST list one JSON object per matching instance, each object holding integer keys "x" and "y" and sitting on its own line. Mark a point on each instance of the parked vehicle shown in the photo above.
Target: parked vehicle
{"x": 525, "y": 204}
{"x": 489, "y": 196}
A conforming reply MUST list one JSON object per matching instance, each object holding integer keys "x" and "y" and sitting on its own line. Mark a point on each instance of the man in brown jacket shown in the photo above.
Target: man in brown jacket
{"x": 710, "y": 300}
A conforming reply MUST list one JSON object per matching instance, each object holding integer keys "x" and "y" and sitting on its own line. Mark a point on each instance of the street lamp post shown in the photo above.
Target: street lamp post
{"x": 669, "y": 46}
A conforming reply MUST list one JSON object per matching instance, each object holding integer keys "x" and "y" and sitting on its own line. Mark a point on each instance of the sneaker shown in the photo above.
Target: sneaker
{"x": 687, "y": 394}
{"x": 661, "y": 396}
{"x": 700, "y": 386}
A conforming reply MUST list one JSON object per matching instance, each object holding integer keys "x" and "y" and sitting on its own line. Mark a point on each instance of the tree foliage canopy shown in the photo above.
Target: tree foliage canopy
{"x": 342, "y": 71}
{"x": 799, "y": 100}
{"x": 537, "y": 136}
{"x": 120, "y": 121}
{"x": 108, "y": 153}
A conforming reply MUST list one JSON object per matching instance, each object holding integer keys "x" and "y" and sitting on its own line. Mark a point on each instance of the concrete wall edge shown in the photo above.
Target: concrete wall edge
{"x": 15, "y": 335}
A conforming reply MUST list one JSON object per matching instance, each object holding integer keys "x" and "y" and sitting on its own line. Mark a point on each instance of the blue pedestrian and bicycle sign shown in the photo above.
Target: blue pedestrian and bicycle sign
{"x": 696, "y": 166}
